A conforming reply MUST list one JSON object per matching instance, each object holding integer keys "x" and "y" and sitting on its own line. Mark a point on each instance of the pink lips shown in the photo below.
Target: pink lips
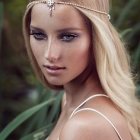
{"x": 54, "y": 69}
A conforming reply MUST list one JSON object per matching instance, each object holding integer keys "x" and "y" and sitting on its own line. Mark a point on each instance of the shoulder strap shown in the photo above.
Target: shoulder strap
{"x": 89, "y": 98}
{"x": 101, "y": 114}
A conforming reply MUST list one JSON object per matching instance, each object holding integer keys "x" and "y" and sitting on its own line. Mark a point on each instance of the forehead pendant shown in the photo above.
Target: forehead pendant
{"x": 51, "y": 5}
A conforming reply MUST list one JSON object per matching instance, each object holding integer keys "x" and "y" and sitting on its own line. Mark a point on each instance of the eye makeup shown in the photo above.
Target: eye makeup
{"x": 37, "y": 33}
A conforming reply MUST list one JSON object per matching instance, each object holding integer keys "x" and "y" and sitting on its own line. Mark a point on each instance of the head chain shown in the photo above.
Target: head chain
{"x": 51, "y": 6}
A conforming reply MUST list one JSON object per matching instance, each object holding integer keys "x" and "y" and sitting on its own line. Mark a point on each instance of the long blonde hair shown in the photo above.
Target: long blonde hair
{"x": 112, "y": 61}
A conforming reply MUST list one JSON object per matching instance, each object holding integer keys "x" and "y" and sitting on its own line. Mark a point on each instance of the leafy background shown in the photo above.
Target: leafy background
{"x": 19, "y": 89}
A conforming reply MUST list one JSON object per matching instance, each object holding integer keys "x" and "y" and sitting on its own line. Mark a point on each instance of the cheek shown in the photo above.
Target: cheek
{"x": 37, "y": 49}
{"x": 77, "y": 62}
{"x": 81, "y": 52}
{"x": 79, "y": 57}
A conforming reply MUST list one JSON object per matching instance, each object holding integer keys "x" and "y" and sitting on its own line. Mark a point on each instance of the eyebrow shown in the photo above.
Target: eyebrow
{"x": 59, "y": 30}
{"x": 69, "y": 29}
{"x": 36, "y": 28}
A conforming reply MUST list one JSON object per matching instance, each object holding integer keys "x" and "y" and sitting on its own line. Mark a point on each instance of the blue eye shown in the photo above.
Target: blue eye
{"x": 68, "y": 37}
{"x": 38, "y": 35}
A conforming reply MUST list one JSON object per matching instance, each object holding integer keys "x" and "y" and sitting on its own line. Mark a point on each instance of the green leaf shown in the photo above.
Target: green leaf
{"x": 136, "y": 57}
{"x": 135, "y": 30}
{"x": 1, "y": 19}
{"x": 21, "y": 118}
{"x": 1, "y": 14}
{"x": 36, "y": 118}
{"x": 125, "y": 32}
{"x": 127, "y": 9}
{"x": 55, "y": 109}
{"x": 41, "y": 133}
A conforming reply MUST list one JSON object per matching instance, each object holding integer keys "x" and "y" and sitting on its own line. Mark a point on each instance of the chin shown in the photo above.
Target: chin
{"x": 55, "y": 82}
{"x": 59, "y": 81}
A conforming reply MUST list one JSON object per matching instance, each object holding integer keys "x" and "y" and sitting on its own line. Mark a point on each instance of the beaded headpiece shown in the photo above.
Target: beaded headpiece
{"x": 51, "y": 6}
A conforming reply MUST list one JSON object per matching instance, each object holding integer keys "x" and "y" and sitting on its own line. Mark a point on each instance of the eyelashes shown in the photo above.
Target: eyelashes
{"x": 65, "y": 36}
{"x": 38, "y": 35}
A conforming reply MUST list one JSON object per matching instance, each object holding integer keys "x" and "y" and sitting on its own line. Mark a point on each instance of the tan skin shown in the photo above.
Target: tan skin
{"x": 64, "y": 40}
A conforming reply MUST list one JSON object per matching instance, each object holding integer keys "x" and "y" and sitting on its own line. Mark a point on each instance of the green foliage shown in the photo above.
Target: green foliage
{"x": 129, "y": 26}
{"x": 125, "y": 13}
{"x": 21, "y": 118}
{"x": 16, "y": 9}
{"x": 1, "y": 19}
{"x": 47, "y": 107}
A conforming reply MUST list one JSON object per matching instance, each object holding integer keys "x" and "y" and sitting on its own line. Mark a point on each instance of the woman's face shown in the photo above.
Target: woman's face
{"x": 60, "y": 43}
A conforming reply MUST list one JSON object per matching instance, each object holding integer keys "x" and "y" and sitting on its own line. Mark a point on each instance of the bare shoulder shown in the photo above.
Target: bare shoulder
{"x": 90, "y": 125}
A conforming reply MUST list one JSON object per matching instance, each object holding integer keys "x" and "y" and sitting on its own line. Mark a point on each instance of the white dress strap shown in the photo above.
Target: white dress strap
{"x": 101, "y": 114}
{"x": 89, "y": 98}
{"x": 77, "y": 109}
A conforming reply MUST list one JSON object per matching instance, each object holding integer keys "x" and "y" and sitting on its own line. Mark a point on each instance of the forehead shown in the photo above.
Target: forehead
{"x": 62, "y": 15}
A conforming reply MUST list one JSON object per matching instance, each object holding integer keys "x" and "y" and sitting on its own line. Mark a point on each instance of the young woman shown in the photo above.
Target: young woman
{"x": 73, "y": 46}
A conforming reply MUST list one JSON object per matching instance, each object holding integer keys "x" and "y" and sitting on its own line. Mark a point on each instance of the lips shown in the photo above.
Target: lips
{"x": 54, "y": 70}
{"x": 53, "y": 67}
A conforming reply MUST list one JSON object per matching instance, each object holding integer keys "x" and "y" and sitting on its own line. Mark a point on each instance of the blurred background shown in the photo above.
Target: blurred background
{"x": 19, "y": 89}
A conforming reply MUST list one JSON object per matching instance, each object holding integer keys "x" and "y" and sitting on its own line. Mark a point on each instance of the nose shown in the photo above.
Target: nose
{"x": 52, "y": 51}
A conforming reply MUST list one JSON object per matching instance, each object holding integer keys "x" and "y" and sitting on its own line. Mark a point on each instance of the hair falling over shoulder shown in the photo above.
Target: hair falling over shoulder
{"x": 113, "y": 66}
{"x": 112, "y": 61}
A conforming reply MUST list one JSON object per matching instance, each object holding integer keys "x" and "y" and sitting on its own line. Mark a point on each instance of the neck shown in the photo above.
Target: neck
{"x": 77, "y": 93}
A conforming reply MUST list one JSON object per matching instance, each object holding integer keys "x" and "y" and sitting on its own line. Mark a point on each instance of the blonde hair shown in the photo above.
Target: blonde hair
{"x": 112, "y": 62}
